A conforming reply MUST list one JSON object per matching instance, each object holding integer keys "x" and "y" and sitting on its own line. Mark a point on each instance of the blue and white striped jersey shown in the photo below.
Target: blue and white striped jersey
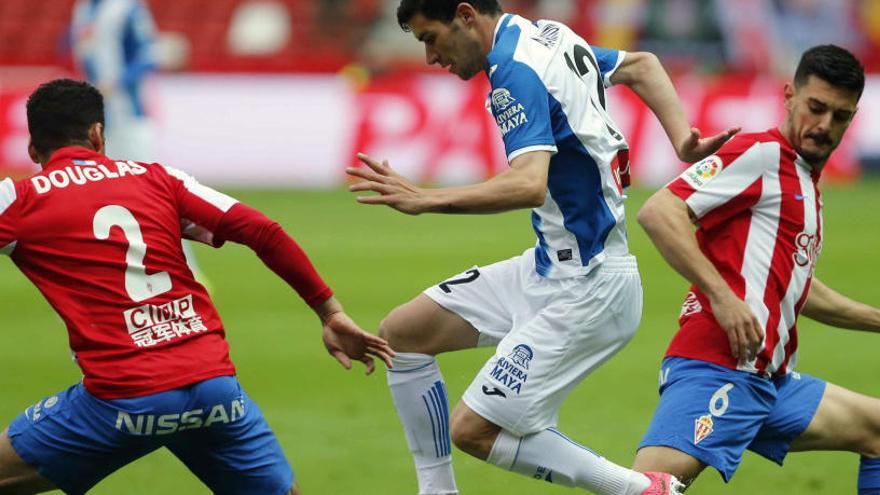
{"x": 113, "y": 43}
{"x": 548, "y": 93}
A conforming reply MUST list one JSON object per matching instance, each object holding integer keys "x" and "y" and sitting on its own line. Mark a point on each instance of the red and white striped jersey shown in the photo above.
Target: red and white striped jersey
{"x": 759, "y": 216}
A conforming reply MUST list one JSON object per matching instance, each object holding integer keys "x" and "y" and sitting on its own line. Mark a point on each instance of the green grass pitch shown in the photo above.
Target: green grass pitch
{"x": 339, "y": 429}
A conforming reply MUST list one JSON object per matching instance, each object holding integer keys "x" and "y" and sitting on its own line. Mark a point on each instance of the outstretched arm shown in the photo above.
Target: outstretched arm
{"x": 666, "y": 219}
{"x": 524, "y": 185}
{"x": 214, "y": 218}
{"x": 643, "y": 73}
{"x": 343, "y": 339}
{"x": 830, "y": 307}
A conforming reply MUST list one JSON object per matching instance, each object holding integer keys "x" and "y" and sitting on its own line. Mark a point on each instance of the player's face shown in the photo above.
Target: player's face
{"x": 818, "y": 116}
{"x": 451, "y": 45}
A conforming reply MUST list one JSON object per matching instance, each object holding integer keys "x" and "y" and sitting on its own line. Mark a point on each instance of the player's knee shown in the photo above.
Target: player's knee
{"x": 464, "y": 438}
{"x": 470, "y": 438}
{"x": 668, "y": 460}
{"x": 400, "y": 334}
{"x": 868, "y": 428}
{"x": 390, "y": 330}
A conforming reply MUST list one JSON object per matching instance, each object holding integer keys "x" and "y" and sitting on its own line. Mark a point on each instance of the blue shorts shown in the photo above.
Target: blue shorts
{"x": 714, "y": 413}
{"x": 75, "y": 439}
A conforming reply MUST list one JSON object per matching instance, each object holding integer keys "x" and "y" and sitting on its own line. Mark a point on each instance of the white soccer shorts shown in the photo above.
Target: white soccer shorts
{"x": 550, "y": 333}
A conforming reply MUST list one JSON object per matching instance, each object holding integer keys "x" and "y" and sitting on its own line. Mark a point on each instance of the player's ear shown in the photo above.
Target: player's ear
{"x": 788, "y": 95}
{"x": 32, "y": 152}
{"x": 96, "y": 137}
{"x": 466, "y": 13}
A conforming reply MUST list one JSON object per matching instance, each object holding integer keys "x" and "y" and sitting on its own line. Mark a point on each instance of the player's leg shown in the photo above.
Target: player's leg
{"x": 418, "y": 330}
{"x": 847, "y": 421}
{"x": 844, "y": 420}
{"x": 508, "y": 414}
{"x": 230, "y": 447}
{"x": 421, "y": 326}
{"x": 707, "y": 416}
{"x": 547, "y": 455}
{"x": 72, "y": 440}
{"x": 432, "y": 323}
{"x": 668, "y": 460}
{"x": 17, "y": 476}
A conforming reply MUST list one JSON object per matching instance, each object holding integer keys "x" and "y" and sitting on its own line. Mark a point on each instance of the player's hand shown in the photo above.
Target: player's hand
{"x": 394, "y": 190}
{"x": 743, "y": 329}
{"x": 694, "y": 148}
{"x": 345, "y": 340}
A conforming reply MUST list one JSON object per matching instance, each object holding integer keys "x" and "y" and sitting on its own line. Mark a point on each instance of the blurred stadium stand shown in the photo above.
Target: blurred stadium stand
{"x": 722, "y": 53}
{"x": 704, "y": 35}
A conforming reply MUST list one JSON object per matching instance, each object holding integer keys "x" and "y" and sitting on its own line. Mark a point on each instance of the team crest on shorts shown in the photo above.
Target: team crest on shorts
{"x": 522, "y": 355}
{"x": 703, "y": 427}
{"x": 512, "y": 371}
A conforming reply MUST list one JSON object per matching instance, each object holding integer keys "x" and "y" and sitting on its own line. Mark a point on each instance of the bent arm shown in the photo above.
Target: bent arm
{"x": 342, "y": 337}
{"x": 643, "y": 73}
{"x": 524, "y": 185}
{"x": 667, "y": 221}
{"x": 830, "y": 307}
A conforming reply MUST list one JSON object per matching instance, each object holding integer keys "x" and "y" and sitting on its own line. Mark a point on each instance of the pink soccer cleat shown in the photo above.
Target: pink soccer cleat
{"x": 663, "y": 484}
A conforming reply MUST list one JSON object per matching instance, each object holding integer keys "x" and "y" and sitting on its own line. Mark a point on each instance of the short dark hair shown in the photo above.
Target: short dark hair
{"x": 833, "y": 64}
{"x": 440, "y": 10}
{"x": 60, "y": 112}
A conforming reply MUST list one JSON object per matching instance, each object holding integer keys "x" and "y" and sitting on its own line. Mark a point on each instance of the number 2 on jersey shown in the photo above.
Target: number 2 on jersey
{"x": 469, "y": 277}
{"x": 138, "y": 284}
{"x": 578, "y": 64}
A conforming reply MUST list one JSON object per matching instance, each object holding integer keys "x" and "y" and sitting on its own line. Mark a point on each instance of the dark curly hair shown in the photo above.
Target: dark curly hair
{"x": 60, "y": 112}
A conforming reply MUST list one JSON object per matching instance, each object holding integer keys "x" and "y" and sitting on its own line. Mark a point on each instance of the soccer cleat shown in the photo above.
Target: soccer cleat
{"x": 663, "y": 484}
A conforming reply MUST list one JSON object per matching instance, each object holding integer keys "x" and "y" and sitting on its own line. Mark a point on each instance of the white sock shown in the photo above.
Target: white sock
{"x": 551, "y": 456}
{"x": 419, "y": 395}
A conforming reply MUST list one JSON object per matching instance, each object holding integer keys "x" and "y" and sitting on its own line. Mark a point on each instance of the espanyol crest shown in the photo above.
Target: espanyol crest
{"x": 501, "y": 99}
{"x": 522, "y": 355}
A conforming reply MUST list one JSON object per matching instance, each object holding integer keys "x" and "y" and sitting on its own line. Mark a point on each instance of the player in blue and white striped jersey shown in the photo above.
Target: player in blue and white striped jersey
{"x": 114, "y": 46}
{"x": 549, "y": 95}
{"x": 567, "y": 304}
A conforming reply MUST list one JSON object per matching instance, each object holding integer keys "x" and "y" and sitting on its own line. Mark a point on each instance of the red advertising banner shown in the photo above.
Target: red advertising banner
{"x": 302, "y": 131}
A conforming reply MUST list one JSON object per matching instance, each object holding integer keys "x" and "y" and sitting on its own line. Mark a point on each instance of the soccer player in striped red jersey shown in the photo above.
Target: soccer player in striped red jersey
{"x": 101, "y": 238}
{"x": 728, "y": 382}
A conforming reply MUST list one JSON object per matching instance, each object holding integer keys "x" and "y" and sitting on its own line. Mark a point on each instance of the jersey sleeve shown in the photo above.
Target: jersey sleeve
{"x": 723, "y": 185}
{"x": 8, "y": 210}
{"x": 609, "y": 60}
{"x": 213, "y": 218}
{"x": 201, "y": 208}
{"x": 278, "y": 251}
{"x": 521, "y": 107}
